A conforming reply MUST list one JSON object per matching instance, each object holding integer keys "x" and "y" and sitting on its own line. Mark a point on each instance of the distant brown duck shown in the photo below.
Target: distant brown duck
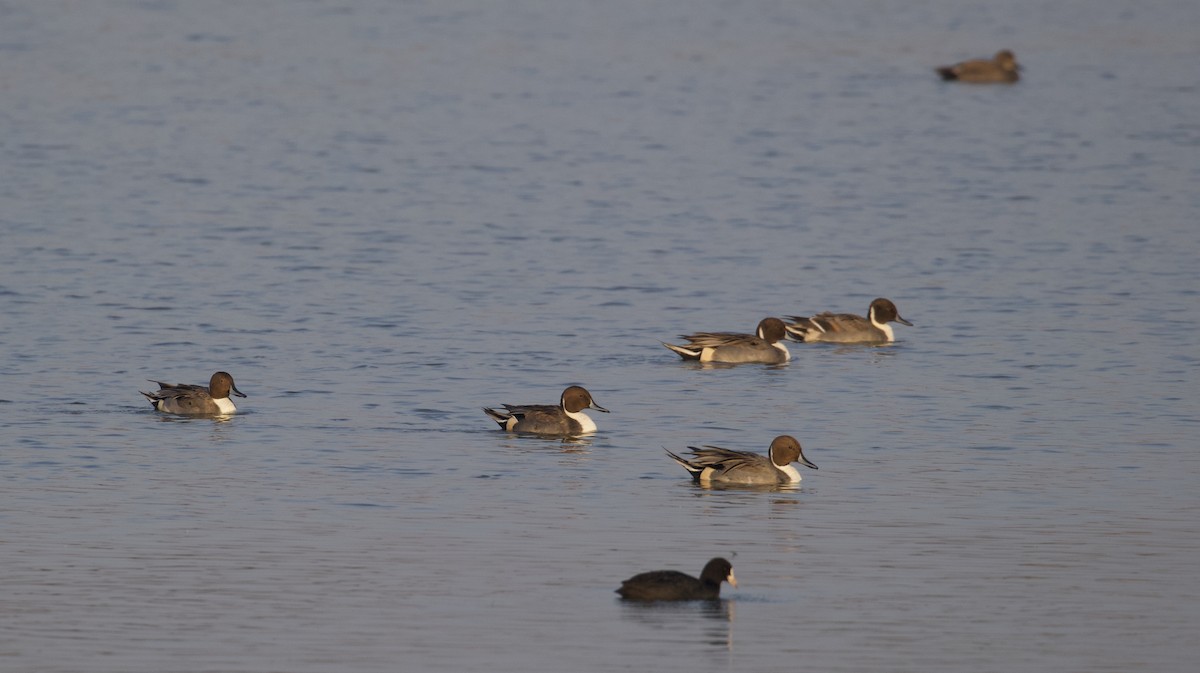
{"x": 1002, "y": 69}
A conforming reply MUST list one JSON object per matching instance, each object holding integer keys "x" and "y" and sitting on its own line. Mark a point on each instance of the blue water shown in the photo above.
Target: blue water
{"x": 381, "y": 217}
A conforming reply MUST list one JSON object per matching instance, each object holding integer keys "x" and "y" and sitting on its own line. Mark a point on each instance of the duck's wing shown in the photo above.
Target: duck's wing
{"x": 828, "y": 322}
{"x": 718, "y": 339}
{"x": 721, "y": 459}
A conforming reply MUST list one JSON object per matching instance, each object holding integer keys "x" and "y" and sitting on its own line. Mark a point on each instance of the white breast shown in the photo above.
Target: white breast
{"x": 787, "y": 355}
{"x": 585, "y": 421}
{"x": 792, "y": 473}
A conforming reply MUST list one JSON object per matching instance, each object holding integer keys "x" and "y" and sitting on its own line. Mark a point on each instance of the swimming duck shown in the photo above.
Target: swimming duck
{"x": 712, "y": 464}
{"x": 189, "y": 400}
{"x": 1002, "y": 69}
{"x": 847, "y": 327}
{"x": 731, "y": 347}
{"x": 566, "y": 419}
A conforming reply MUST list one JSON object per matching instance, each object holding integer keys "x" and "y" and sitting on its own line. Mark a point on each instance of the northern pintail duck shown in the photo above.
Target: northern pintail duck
{"x": 731, "y": 347}
{"x": 712, "y": 464}
{"x": 672, "y": 585}
{"x": 189, "y": 400}
{"x": 566, "y": 419}
{"x": 847, "y": 327}
{"x": 1002, "y": 69}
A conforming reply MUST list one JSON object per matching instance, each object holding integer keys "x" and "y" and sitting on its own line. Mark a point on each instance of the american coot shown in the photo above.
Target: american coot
{"x": 672, "y": 585}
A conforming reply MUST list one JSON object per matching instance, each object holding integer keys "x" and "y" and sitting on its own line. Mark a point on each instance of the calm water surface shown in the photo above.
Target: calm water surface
{"x": 382, "y": 216}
